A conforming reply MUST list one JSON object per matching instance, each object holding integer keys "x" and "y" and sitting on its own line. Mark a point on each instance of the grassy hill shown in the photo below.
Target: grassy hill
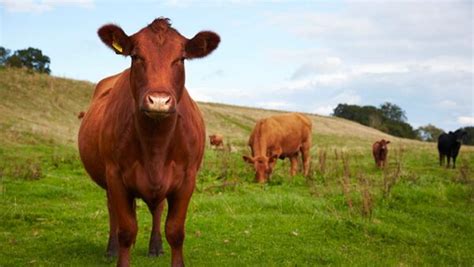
{"x": 346, "y": 213}
{"x": 46, "y": 107}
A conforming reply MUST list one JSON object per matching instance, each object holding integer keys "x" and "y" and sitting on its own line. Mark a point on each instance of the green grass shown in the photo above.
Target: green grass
{"x": 53, "y": 215}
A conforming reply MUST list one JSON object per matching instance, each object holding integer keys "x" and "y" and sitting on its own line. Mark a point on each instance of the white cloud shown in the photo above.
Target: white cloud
{"x": 329, "y": 64}
{"x": 40, "y": 6}
{"x": 384, "y": 30}
{"x": 327, "y": 104}
{"x": 324, "y": 110}
{"x": 466, "y": 120}
{"x": 275, "y": 105}
{"x": 196, "y": 95}
{"x": 447, "y": 104}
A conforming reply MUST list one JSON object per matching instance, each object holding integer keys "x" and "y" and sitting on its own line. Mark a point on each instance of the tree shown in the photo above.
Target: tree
{"x": 469, "y": 138}
{"x": 31, "y": 58}
{"x": 389, "y": 118}
{"x": 429, "y": 133}
{"x": 393, "y": 112}
{"x": 4, "y": 55}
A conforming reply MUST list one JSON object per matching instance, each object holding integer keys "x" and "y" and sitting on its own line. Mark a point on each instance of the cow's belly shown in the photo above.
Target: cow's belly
{"x": 288, "y": 149}
{"x": 88, "y": 142}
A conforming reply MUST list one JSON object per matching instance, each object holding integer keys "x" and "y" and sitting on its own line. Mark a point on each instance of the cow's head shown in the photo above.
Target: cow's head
{"x": 459, "y": 134}
{"x": 383, "y": 144}
{"x": 158, "y": 53}
{"x": 263, "y": 166}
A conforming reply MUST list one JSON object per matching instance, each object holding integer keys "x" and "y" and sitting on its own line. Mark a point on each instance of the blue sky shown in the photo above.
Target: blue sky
{"x": 290, "y": 55}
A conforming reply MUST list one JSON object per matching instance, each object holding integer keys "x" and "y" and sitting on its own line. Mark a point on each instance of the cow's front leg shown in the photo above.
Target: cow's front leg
{"x": 123, "y": 206}
{"x": 155, "y": 247}
{"x": 112, "y": 245}
{"x": 177, "y": 209}
{"x": 294, "y": 164}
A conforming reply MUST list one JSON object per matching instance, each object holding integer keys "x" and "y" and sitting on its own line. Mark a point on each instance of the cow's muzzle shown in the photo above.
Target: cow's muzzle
{"x": 158, "y": 105}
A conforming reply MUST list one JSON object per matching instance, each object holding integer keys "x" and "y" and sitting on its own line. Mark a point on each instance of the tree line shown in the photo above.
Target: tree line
{"x": 30, "y": 58}
{"x": 392, "y": 119}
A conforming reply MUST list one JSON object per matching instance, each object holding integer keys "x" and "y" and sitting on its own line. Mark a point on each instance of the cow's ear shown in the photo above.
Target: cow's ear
{"x": 115, "y": 38}
{"x": 248, "y": 159}
{"x": 388, "y": 142}
{"x": 201, "y": 45}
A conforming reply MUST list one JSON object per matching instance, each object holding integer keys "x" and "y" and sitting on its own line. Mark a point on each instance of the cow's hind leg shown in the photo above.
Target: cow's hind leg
{"x": 449, "y": 161}
{"x": 441, "y": 159}
{"x": 155, "y": 247}
{"x": 306, "y": 156}
{"x": 294, "y": 164}
{"x": 113, "y": 245}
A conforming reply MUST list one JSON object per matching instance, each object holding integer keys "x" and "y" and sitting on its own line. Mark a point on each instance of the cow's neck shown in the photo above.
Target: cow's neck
{"x": 260, "y": 144}
{"x": 155, "y": 138}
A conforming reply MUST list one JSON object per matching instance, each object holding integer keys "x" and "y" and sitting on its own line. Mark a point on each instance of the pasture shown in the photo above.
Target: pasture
{"x": 347, "y": 212}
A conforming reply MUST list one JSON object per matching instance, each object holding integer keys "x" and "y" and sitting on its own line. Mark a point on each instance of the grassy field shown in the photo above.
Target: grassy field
{"x": 346, "y": 213}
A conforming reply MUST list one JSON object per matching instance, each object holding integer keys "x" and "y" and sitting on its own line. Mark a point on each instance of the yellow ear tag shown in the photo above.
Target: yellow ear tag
{"x": 117, "y": 46}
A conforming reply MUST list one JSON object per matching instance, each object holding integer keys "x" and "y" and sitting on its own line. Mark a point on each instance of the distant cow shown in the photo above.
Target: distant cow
{"x": 449, "y": 145}
{"x": 276, "y": 137}
{"x": 81, "y": 114}
{"x": 143, "y": 135}
{"x": 216, "y": 140}
{"x": 380, "y": 150}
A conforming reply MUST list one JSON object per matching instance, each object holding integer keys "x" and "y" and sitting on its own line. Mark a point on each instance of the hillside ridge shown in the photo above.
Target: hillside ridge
{"x": 41, "y": 106}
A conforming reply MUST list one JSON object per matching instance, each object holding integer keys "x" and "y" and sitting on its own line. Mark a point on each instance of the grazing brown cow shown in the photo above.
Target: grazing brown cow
{"x": 216, "y": 140}
{"x": 380, "y": 150}
{"x": 81, "y": 114}
{"x": 279, "y": 136}
{"x": 143, "y": 136}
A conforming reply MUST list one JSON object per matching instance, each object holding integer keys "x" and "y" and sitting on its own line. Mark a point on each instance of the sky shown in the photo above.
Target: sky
{"x": 303, "y": 56}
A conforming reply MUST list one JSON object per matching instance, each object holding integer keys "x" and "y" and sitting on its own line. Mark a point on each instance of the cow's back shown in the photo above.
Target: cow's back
{"x": 286, "y": 131}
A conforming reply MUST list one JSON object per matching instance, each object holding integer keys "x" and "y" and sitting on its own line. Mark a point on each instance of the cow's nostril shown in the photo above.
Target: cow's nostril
{"x": 150, "y": 100}
{"x": 167, "y": 100}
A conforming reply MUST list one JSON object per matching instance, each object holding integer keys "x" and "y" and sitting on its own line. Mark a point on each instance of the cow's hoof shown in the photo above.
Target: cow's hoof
{"x": 155, "y": 252}
{"x": 111, "y": 254}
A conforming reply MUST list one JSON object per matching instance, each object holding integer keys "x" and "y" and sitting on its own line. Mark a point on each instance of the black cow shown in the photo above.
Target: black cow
{"x": 449, "y": 145}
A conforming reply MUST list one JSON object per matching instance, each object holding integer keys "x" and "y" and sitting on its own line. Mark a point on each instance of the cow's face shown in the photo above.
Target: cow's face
{"x": 460, "y": 133}
{"x": 263, "y": 166}
{"x": 383, "y": 144}
{"x": 212, "y": 138}
{"x": 158, "y": 53}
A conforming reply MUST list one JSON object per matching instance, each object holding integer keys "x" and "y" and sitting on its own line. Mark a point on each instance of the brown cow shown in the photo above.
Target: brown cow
{"x": 380, "y": 150}
{"x": 81, "y": 114}
{"x": 216, "y": 140}
{"x": 143, "y": 136}
{"x": 279, "y": 136}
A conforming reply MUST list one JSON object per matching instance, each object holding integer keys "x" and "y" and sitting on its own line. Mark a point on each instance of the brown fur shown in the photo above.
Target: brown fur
{"x": 379, "y": 151}
{"x": 281, "y": 136}
{"x": 216, "y": 140}
{"x": 81, "y": 114}
{"x": 134, "y": 152}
